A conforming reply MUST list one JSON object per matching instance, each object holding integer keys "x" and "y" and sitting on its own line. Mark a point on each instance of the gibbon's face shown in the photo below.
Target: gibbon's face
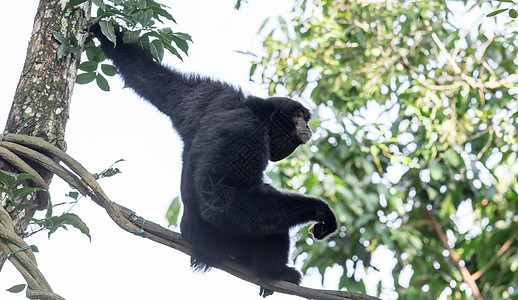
{"x": 302, "y": 130}
{"x": 290, "y": 128}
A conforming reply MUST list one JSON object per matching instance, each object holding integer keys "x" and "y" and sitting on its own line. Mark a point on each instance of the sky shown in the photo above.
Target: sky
{"x": 105, "y": 127}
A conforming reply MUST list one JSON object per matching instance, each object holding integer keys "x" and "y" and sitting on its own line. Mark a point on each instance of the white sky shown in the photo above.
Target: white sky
{"x": 105, "y": 127}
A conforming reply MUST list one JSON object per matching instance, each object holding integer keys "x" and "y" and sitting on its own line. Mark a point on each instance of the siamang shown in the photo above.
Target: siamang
{"x": 230, "y": 213}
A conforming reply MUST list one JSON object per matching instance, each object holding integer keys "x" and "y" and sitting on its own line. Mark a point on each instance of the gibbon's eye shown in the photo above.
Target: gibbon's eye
{"x": 298, "y": 115}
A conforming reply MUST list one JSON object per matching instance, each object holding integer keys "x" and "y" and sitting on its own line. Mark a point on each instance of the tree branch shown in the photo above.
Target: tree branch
{"x": 20, "y": 254}
{"x": 468, "y": 278}
{"x": 499, "y": 253}
{"x": 128, "y": 220}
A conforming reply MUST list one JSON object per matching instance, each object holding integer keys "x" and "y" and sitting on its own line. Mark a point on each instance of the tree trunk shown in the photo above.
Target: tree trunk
{"x": 41, "y": 102}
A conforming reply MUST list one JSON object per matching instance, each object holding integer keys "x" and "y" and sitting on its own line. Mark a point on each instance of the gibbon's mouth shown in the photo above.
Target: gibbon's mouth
{"x": 305, "y": 135}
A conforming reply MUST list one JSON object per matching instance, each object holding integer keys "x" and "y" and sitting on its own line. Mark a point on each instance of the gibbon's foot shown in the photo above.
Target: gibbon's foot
{"x": 288, "y": 274}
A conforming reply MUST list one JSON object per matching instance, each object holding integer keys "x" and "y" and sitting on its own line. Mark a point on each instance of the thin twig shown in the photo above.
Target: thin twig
{"x": 499, "y": 253}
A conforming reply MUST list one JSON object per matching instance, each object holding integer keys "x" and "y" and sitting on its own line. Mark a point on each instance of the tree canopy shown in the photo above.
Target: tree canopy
{"x": 416, "y": 145}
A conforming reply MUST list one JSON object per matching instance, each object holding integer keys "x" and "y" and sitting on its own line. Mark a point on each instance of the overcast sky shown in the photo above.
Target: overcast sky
{"x": 105, "y": 127}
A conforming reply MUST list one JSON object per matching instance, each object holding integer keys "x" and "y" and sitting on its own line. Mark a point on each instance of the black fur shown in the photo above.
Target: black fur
{"x": 229, "y": 212}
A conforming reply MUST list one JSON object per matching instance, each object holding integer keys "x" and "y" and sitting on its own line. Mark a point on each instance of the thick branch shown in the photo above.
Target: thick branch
{"x": 129, "y": 221}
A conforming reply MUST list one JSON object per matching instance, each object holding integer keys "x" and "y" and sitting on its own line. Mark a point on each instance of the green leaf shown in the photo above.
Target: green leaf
{"x": 22, "y": 177}
{"x": 144, "y": 42}
{"x": 107, "y": 173}
{"x": 25, "y": 191}
{"x": 100, "y": 4}
{"x": 17, "y": 288}
{"x": 265, "y": 22}
{"x": 34, "y": 249}
{"x": 109, "y": 31}
{"x": 143, "y": 17}
{"x": 108, "y": 70}
{"x": 171, "y": 49}
{"x": 111, "y": 171}
{"x": 63, "y": 50}
{"x": 138, "y": 17}
{"x": 496, "y": 12}
{"x": 56, "y": 222}
{"x": 60, "y": 38}
{"x": 13, "y": 178}
{"x": 73, "y": 195}
{"x": 94, "y": 53}
{"x": 85, "y": 77}
{"x": 512, "y": 13}
{"x": 89, "y": 66}
{"x": 102, "y": 83}
{"x": 73, "y": 39}
{"x": 181, "y": 43}
{"x": 22, "y": 206}
{"x": 141, "y": 4}
{"x": 148, "y": 17}
{"x": 76, "y": 2}
{"x": 157, "y": 49}
{"x": 131, "y": 37}
{"x": 173, "y": 211}
{"x": 162, "y": 12}
{"x": 74, "y": 50}
{"x": 252, "y": 70}
{"x": 167, "y": 36}
{"x": 9, "y": 194}
{"x": 183, "y": 36}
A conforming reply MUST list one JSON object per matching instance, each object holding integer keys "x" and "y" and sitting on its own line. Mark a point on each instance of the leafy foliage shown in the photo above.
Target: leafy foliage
{"x": 66, "y": 45}
{"x": 109, "y": 172}
{"x": 53, "y": 223}
{"x": 416, "y": 146}
{"x": 10, "y": 185}
{"x": 11, "y": 188}
{"x": 138, "y": 19}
